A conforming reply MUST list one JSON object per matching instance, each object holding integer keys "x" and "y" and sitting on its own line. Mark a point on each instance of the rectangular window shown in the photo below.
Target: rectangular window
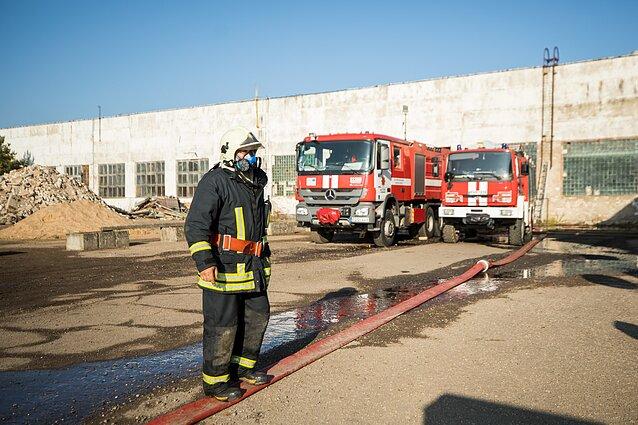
{"x": 78, "y": 172}
{"x": 74, "y": 171}
{"x": 396, "y": 157}
{"x": 600, "y": 168}
{"x": 149, "y": 178}
{"x": 189, "y": 172}
{"x": 111, "y": 180}
{"x": 283, "y": 175}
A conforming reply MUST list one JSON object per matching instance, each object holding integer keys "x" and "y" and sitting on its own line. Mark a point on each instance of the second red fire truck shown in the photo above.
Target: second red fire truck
{"x": 368, "y": 183}
{"x": 486, "y": 191}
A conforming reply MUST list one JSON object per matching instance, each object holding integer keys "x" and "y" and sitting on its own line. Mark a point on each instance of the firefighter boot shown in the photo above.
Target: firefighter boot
{"x": 252, "y": 377}
{"x": 222, "y": 391}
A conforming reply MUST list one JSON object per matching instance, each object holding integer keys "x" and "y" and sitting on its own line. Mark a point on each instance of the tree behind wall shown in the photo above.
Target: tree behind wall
{"x": 8, "y": 159}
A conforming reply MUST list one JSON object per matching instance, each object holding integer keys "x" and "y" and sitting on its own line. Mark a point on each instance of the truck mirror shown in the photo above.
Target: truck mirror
{"x": 448, "y": 176}
{"x": 525, "y": 169}
{"x": 384, "y": 157}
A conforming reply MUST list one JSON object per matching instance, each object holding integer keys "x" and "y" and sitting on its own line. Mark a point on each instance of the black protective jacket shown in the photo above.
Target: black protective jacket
{"x": 226, "y": 204}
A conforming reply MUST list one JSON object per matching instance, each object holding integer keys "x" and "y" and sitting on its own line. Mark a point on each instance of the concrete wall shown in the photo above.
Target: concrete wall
{"x": 593, "y": 100}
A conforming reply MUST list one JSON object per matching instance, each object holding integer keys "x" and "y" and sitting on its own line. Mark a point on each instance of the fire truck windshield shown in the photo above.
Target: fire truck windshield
{"x": 336, "y": 157}
{"x": 480, "y": 166}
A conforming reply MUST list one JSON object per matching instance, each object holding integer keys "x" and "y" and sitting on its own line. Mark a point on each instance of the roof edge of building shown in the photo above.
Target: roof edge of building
{"x": 127, "y": 114}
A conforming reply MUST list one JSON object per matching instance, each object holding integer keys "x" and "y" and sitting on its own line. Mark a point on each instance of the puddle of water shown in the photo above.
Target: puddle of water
{"x": 75, "y": 392}
{"x": 579, "y": 265}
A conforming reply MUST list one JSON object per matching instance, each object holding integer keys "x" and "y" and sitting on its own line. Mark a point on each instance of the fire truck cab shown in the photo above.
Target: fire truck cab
{"x": 368, "y": 183}
{"x": 486, "y": 191}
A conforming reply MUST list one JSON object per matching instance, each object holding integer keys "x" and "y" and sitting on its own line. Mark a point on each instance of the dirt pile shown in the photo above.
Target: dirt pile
{"x": 55, "y": 221}
{"x": 27, "y": 190}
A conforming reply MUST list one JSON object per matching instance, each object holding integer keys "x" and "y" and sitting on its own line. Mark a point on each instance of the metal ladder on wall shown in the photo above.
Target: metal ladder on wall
{"x": 547, "y": 131}
{"x": 540, "y": 194}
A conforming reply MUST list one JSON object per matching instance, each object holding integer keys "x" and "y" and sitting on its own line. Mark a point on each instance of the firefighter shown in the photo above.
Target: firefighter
{"x": 226, "y": 233}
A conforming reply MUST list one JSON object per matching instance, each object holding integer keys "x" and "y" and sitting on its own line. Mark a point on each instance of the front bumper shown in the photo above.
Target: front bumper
{"x": 351, "y": 216}
{"x": 481, "y": 214}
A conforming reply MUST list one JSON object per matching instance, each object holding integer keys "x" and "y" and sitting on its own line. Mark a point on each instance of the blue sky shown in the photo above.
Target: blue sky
{"x": 60, "y": 59}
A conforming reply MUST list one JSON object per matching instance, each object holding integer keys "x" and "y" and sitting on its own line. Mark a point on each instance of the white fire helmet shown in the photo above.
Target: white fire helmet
{"x": 238, "y": 138}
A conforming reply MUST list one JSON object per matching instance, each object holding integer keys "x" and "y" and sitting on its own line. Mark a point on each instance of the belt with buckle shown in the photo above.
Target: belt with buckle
{"x": 228, "y": 243}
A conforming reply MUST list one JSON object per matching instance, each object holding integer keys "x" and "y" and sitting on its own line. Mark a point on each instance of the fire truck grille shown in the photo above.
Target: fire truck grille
{"x": 331, "y": 196}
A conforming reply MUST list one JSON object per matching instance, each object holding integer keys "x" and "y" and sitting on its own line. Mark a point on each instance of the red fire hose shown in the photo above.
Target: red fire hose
{"x": 196, "y": 411}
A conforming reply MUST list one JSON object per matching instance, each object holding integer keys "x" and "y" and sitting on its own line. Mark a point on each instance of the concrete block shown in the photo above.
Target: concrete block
{"x": 121, "y": 238}
{"x": 106, "y": 239}
{"x": 282, "y": 227}
{"x": 172, "y": 234}
{"x": 86, "y": 241}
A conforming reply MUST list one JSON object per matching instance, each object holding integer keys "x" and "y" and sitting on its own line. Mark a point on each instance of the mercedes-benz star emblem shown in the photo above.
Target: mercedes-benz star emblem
{"x": 330, "y": 195}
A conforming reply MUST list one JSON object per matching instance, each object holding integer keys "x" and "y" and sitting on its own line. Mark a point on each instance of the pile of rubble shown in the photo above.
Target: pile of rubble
{"x": 26, "y": 190}
{"x": 162, "y": 207}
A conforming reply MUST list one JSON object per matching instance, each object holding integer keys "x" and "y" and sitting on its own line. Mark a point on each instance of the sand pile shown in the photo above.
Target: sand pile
{"x": 55, "y": 221}
{"x": 26, "y": 190}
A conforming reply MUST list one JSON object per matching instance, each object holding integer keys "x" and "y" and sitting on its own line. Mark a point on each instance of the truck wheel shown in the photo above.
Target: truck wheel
{"x": 437, "y": 227}
{"x": 323, "y": 236}
{"x": 516, "y": 233}
{"x": 528, "y": 235}
{"x": 388, "y": 233}
{"x": 449, "y": 234}
{"x": 430, "y": 223}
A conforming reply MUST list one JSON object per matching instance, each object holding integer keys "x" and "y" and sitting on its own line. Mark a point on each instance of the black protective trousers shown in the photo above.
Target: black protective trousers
{"x": 234, "y": 327}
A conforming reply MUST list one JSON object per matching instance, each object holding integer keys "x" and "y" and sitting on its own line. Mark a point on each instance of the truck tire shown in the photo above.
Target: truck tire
{"x": 528, "y": 235}
{"x": 449, "y": 234}
{"x": 322, "y": 235}
{"x": 437, "y": 227}
{"x": 516, "y": 233}
{"x": 388, "y": 233}
{"x": 430, "y": 224}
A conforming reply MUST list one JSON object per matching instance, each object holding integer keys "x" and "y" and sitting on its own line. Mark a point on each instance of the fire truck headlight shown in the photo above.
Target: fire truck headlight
{"x": 448, "y": 211}
{"x": 302, "y": 211}
{"x": 506, "y": 213}
{"x": 362, "y": 212}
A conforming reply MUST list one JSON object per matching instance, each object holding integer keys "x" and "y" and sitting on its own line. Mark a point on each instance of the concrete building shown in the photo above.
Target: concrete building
{"x": 586, "y": 114}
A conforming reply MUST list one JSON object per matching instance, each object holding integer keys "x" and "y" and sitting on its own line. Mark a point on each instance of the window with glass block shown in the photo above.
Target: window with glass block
{"x": 149, "y": 179}
{"x": 111, "y": 179}
{"x": 189, "y": 173}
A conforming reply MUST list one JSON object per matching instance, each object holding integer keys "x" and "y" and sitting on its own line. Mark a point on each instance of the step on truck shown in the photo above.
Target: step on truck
{"x": 486, "y": 191}
{"x": 368, "y": 183}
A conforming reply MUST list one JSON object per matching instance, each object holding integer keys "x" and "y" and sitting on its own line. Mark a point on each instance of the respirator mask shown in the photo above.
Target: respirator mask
{"x": 251, "y": 160}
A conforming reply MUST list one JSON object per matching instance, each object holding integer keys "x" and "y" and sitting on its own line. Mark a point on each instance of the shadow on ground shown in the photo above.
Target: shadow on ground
{"x": 621, "y": 241}
{"x": 611, "y": 281}
{"x": 455, "y": 409}
{"x": 628, "y": 329}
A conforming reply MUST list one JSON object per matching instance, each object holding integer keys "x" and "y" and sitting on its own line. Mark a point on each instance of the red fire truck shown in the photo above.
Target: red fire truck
{"x": 368, "y": 183}
{"x": 486, "y": 191}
